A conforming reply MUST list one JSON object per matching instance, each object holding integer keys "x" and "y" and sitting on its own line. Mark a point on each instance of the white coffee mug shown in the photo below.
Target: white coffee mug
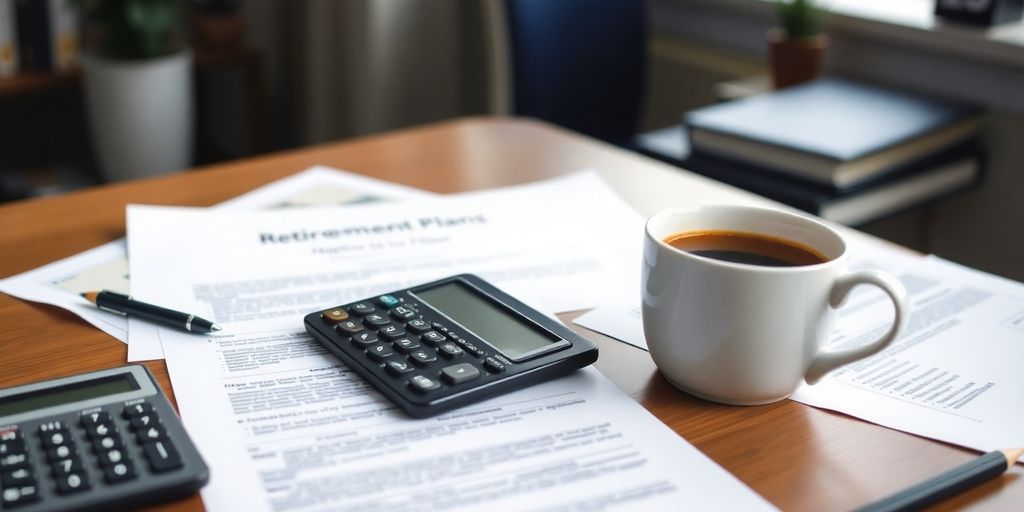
{"x": 746, "y": 334}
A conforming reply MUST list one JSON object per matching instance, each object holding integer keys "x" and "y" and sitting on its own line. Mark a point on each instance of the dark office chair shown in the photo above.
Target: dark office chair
{"x": 580, "y": 64}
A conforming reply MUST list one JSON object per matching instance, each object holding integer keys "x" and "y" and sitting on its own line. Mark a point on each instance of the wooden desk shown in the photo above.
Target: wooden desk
{"x": 798, "y": 457}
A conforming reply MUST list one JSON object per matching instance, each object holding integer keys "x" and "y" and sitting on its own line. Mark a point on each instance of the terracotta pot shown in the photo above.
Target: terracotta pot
{"x": 796, "y": 60}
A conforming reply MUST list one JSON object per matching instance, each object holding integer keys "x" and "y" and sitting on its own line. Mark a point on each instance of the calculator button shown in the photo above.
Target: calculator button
{"x": 140, "y": 422}
{"x": 397, "y": 367}
{"x": 422, "y": 357}
{"x": 348, "y": 327}
{"x": 66, "y": 466}
{"x": 421, "y": 384}
{"x": 14, "y": 461}
{"x": 418, "y": 326}
{"x": 154, "y": 433}
{"x": 433, "y": 337}
{"x": 106, "y": 442}
{"x": 101, "y": 430}
{"x": 15, "y": 477}
{"x": 12, "y": 446}
{"x": 493, "y": 365}
{"x": 56, "y": 438}
{"x": 112, "y": 456}
{"x": 391, "y": 332}
{"x": 162, "y": 456}
{"x": 60, "y": 452}
{"x": 18, "y": 495}
{"x": 361, "y": 308}
{"x": 459, "y": 373}
{"x": 387, "y": 301}
{"x": 406, "y": 345}
{"x": 334, "y": 316}
{"x": 379, "y": 352}
{"x": 10, "y": 434}
{"x": 365, "y": 339}
{"x": 95, "y": 418}
{"x": 130, "y": 411}
{"x": 72, "y": 482}
{"x": 375, "y": 320}
{"x": 120, "y": 472}
{"x": 403, "y": 313}
{"x": 450, "y": 350}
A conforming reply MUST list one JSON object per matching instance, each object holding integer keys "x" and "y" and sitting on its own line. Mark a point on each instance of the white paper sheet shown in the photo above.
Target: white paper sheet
{"x": 568, "y": 242}
{"x": 285, "y": 426}
{"x": 60, "y": 283}
{"x": 316, "y": 186}
{"x": 953, "y": 375}
{"x": 106, "y": 267}
{"x": 621, "y": 319}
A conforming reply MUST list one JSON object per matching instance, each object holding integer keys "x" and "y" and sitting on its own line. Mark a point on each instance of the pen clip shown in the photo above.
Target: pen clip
{"x": 104, "y": 308}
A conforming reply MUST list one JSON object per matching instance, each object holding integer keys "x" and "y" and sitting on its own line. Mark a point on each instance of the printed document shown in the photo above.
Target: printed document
{"x": 285, "y": 426}
{"x": 954, "y": 373}
{"x": 106, "y": 267}
{"x": 565, "y": 242}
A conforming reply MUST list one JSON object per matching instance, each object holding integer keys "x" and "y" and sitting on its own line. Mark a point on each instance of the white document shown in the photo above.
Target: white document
{"x": 59, "y": 283}
{"x": 106, "y": 267}
{"x": 953, "y": 375}
{"x": 316, "y": 186}
{"x": 620, "y": 319}
{"x": 285, "y": 426}
{"x": 568, "y": 242}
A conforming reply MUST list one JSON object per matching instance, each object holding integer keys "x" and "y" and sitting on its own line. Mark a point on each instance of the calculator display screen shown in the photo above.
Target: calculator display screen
{"x": 491, "y": 322}
{"x": 67, "y": 394}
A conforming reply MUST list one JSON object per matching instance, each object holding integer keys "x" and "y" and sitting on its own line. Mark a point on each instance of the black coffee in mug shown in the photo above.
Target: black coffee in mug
{"x": 747, "y": 248}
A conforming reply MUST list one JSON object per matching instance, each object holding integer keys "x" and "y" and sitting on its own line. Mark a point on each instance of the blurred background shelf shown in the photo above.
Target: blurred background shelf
{"x": 30, "y": 82}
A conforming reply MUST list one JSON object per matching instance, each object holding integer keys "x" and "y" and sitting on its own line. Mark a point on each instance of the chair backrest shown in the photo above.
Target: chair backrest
{"x": 579, "y": 63}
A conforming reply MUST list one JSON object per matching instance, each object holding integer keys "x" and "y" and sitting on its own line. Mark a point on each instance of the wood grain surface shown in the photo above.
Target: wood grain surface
{"x": 798, "y": 457}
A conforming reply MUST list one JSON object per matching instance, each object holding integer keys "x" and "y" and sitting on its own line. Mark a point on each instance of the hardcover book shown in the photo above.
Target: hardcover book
{"x": 831, "y": 131}
{"x": 934, "y": 176}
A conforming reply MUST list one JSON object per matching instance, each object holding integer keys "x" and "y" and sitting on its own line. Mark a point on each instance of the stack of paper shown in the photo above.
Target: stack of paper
{"x": 295, "y": 429}
{"x": 285, "y": 426}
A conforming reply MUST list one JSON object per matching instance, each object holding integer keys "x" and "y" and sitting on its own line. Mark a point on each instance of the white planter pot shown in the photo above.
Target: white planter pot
{"x": 140, "y": 114}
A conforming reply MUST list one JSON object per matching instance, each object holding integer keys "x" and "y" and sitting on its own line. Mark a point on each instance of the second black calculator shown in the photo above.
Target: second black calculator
{"x": 448, "y": 343}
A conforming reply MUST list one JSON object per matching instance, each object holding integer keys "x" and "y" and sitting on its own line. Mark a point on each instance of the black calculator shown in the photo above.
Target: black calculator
{"x": 104, "y": 440}
{"x": 448, "y": 343}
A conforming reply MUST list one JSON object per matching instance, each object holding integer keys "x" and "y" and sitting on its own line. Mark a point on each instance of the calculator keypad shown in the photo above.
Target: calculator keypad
{"x": 439, "y": 357}
{"x": 105, "y": 451}
{"x": 100, "y": 452}
{"x": 17, "y": 475}
{"x": 423, "y": 355}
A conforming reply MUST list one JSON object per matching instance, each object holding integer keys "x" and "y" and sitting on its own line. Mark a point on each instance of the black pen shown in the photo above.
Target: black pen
{"x": 125, "y": 305}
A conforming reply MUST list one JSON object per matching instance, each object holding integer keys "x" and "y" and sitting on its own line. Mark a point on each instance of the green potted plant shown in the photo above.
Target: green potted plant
{"x": 798, "y": 46}
{"x": 138, "y": 86}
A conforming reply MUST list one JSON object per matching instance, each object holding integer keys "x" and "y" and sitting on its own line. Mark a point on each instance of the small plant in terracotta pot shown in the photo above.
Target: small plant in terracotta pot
{"x": 798, "y": 46}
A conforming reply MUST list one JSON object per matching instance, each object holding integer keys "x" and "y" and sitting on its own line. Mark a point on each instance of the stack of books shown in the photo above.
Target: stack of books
{"x": 846, "y": 151}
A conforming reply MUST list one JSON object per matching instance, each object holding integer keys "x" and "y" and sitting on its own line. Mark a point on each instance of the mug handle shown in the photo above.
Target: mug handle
{"x": 828, "y": 360}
